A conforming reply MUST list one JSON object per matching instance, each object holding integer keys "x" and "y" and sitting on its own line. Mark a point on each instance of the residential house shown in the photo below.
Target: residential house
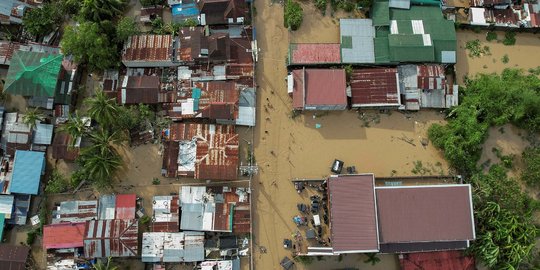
{"x": 165, "y": 217}
{"x": 202, "y": 151}
{"x": 139, "y": 90}
{"x": 8, "y": 48}
{"x": 357, "y": 45}
{"x": 220, "y": 265}
{"x": 318, "y": 89}
{"x": 365, "y": 218}
{"x": 111, "y": 238}
{"x": 149, "y": 51}
{"x": 247, "y": 107}
{"x": 64, "y": 148}
{"x": 120, "y": 206}
{"x": 217, "y": 12}
{"x": 13, "y": 257}
{"x": 214, "y": 209}
{"x": 42, "y": 137}
{"x": 168, "y": 247}
{"x": 375, "y": 88}
{"x": 314, "y": 53}
{"x": 28, "y": 167}
{"x": 12, "y": 11}
{"x": 63, "y": 235}
{"x": 185, "y": 10}
{"x": 16, "y": 135}
{"x": 74, "y": 212}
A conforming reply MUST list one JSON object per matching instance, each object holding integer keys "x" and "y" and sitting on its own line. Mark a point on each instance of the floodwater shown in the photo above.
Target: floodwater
{"x": 288, "y": 147}
{"x": 524, "y": 54}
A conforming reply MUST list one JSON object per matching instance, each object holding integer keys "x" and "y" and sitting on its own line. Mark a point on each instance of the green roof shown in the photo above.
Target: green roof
{"x": 2, "y": 224}
{"x": 409, "y": 48}
{"x": 382, "y": 51}
{"x": 417, "y": 13}
{"x": 33, "y": 74}
{"x": 380, "y": 14}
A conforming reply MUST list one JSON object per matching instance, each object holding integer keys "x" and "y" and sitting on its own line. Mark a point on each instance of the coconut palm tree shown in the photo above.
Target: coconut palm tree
{"x": 103, "y": 141}
{"x": 372, "y": 258}
{"x": 99, "y": 168}
{"x": 102, "y": 108}
{"x": 75, "y": 127}
{"x": 31, "y": 117}
{"x": 101, "y": 266}
{"x": 101, "y": 10}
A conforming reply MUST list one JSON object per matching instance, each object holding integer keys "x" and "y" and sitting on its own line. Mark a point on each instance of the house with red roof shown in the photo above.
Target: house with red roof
{"x": 63, "y": 235}
{"x": 318, "y": 89}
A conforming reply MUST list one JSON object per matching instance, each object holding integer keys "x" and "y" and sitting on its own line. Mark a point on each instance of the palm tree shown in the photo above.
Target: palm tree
{"x": 31, "y": 117}
{"x": 101, "y": 10}
{"x": 103, "y": 141}
{"x": 75, "y": 127}
{"x": 372, "y": 258}
{"x": 101, "y": 266}
{"x": 102, "y": 108}
{"x": 99, "y": 168}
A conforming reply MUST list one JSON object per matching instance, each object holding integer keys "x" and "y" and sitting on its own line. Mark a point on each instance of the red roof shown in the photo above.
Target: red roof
{"x": 125, "y": 206}
{"x": 323, "y": 87}
{"x": 431, "y": 77}
{"x": 375, "y": 87}
{"x": 445, "y": 260}
{"x": 353, "y": 220}
{"x": 410, "y": 214}
{"x": 314, "y": 53}
{"x": 63, "y": 235}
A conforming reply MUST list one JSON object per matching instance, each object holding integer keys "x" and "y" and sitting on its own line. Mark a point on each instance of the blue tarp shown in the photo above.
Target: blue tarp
{"x": 185, "y": 10}
{"x": 27, "y": 170}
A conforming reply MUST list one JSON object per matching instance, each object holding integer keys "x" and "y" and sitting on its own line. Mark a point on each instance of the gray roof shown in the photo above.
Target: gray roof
{"x": 357, "y": 40}
{"x": 402, "y": 4}
{"x": 43, "y": 135}
{"x": 173, "y": 247}
{"x": 6, "y": 205}
{"x": 107, "y": 205}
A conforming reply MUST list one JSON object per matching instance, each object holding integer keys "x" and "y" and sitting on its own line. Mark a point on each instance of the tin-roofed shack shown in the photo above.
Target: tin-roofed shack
{"x": 375, "y": 87}
{"x": 139, "y": 89}
{"x": 173, "y": 247}
{"x": 13, "y": 257}
{"x": 111, "y": 238}
{"x": 74, "y": 211}
{"x": 16, "y": 135}
{"x": 63, "y": 235}
{"x": 318, "y": 89}
{"x": 64, "y": 148}
{"x": 149, "y": 51}
{"x": 314, "y": 53}
{"x": 218, "y": 12}
{"x": 165, "y": 217}
{"x": 213, "y": 209}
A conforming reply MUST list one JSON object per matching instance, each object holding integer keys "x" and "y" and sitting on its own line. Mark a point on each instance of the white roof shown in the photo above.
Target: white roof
{"x": 477, "y": 16}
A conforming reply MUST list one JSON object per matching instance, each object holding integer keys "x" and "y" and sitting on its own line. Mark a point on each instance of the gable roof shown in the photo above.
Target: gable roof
{"x": 13, "y": 257}
{"x": 33, "y": 74}
{"x": 27, "y": 169}
{"x": 63, "y": 235}
{"x": 352, "y": 213}
{"x": 319, "y": 87}
{"x": 111, "y": 238}
{"x": 425, "y": 213}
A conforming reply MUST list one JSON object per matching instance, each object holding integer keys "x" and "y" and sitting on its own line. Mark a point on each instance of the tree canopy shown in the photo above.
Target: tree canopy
{"x": 41, "y": 21}
{"x": 88, "y": 44}
{"x": 126, "y": 27}
{"x": 293, "y": 15}
{"x": 101, "y": 10}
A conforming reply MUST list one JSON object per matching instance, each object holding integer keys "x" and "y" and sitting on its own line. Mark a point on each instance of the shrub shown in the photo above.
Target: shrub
{"x": 531, "y": 162}
{"x": 505, "y": 59}
{"x": 490, "y": 36}
{"x": 145, "y": 220}
{"x": 293, "y": 15}
{"x": 321, "y": 5}
{"x": 509, "y": 38}
{"x": 57, "y": 183}
{"x": 31, "y": 237}
{"x": 156, "y": 181}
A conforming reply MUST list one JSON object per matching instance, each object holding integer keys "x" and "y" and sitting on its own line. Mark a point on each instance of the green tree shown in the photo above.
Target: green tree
{"x": 126, "y": 27}
{"x": 32, "y": 117}
{"x": 372, "y": 258}
{"x": 531, "y": 164}
{"x": 57, "y": 183}
{"x": 293, "y": 15}
{"x": 75, "y": 127}
{"x": 148, "y": 3}
{"x": 99, "y": 168}
{"x": 104, "y": 266}
{"x": 71, "y": 7}
{"x": 89, "y": 45}
{"x": 42, "y": 21}
{"x": 102, "y": 108}
{"x": 103, "y": 142}
{"x": 101, "y": 10}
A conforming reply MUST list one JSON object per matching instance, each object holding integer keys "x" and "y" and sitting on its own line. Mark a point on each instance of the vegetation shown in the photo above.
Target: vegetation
{"x": 531, "y": 164}
{"x": 99, "y": 265}
{"x": 126, "y": 27}
{"x": 75, "y": 127}
{"x": 148, "y": 3}
{"x": 42, "y": 21}
{"x": 102, "y": 108}
{"x": 101, "y": 10}
{"x": 506, "y": 232}
{"x": 475, "y": 48}
{"x": 321, "y": 5}
{"x": 32, "y": 117}
{"x": 57, "y": 183}
{"x": 372, "y": 258}
{"x": 156, "y": 181}
{"x": 509, "y": 38}
{"x": 490, "y": 36}
{"x": 89, "y": 45}
{"x": 145, "y": 220}
{"x": 293, "y": 15}
{"x": 305, "y": 260}
{"x": 505, "y": 59}
{"x": 31, "y": 237}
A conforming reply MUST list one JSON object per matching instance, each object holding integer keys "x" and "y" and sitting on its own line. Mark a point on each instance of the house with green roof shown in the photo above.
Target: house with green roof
{"x": 417, "y": 35}
{"x": 45, "y": 78}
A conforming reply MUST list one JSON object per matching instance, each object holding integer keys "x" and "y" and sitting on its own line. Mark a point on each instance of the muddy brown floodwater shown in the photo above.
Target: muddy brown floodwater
{"x": 524, "y": 54}
{"x": 287, "y": 147}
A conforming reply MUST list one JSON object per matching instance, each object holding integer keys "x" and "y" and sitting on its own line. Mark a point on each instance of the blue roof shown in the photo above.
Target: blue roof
{"x": 27, "y": 169}
{"x": 185, "y": 11}
{"x": 2, "y": 223}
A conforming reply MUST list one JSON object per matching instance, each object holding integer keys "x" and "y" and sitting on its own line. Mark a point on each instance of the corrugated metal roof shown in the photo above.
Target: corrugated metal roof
{"x": 145, "y": 50}
{"x": 20, "y": 210}
{"x": 125, "y": 206}
{"x": 314, "y": 53}
{"x": 13, "y": 257}
{"x": 43, "y": 134}
{"x": 75, "y": 211}
{"x": 111, "y": 238}
{"x": 403, "y": 4}
{"x": 165, "y": 217}
{"x": 447, "y": 260}
{"x": 107, "y": 205}
{"x": 381, "y": 13}
{"x": 140, "y": 89}
{"x": 353, "y": 219}
{"x": 173, "y": 247}
{"x": 27, "y": 169}
{"x": 357, "y": 40}
{"x": 63, "y": 235}
{"x": 425, "y": 213}
{"x": 317, "y": 88}
{"x": 61, "y": 147}
{"x": 375, "y": 87}
{"x": 6, "y": 205}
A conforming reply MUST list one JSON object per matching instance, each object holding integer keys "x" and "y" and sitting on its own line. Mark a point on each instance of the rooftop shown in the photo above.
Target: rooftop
{"x": 74, "y": 211}
{"x": 375, "y": 87}
{"x": 353, "y": 215}
{"x": 63, "y": 235}
{"x": 111, "y": 238}
{"x": 357, "y": 44}
{"x": 28, "y": 166}
{"x": 148, "y": 51}
{"x": 314, "y": 53}
{"x": 319, "y": 89}
{"x": 125, "y": 206}
{"x": 139, "y": 89}
{"x": 173, "y": 247}
{"x": 443, "y": 260}
{"x": 13, "y": 257}
{"x": 165, "y": 217}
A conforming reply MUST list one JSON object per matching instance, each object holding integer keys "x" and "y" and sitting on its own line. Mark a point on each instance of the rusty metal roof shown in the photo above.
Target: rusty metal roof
{"x": 375, "y": 87}
{"x": 111, "y": 238}
{"x": 13, "y": 257}
{"x": 165, "y": 217}
{"x": 353, "y": 216}
{"x": 140, "y": 89}
{"x": 61, "y": 147}
{"x": 314, "y": 53}
{"x": 217, "y": 157}
{"x": 148, "y": 48}
{"x": 187, "y": 131}
{"x": 169, "y": 166}
{"x": 63, "y": 235}
{"x": 425, "y": 213}
{"x": 75, "y": 211}
{"x": 125, "y": 206}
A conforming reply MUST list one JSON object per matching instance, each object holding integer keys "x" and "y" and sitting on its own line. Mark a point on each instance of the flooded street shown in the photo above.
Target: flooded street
{"x": 524, "y": 54}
